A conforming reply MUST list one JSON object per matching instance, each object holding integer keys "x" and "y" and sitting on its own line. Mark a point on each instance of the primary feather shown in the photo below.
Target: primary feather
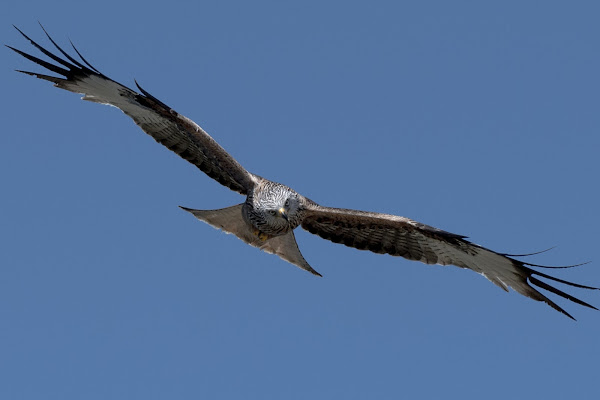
{"x": 272, "y": 211}
{"x": 165, "y": 125}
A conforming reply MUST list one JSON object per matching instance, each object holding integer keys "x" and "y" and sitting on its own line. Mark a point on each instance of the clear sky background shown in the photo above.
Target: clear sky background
{"x": 478, "y": 118}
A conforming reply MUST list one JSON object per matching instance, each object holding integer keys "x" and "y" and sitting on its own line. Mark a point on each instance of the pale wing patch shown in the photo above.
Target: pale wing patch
{"x": 398, "y": 236}
{"x": 176, "y": 132}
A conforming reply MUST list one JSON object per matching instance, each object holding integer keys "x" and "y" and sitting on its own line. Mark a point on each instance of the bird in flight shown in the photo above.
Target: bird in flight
{"x": 271, "y": 211}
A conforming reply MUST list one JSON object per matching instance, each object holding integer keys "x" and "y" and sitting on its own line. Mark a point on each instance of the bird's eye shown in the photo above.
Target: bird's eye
{"x": 273, "y": 212}
{"x": 287, "y": 203}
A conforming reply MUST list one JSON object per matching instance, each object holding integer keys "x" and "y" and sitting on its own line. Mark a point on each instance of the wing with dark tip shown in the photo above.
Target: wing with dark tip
{"x": 165, "y": 125}
{"x": 399, "y": 236}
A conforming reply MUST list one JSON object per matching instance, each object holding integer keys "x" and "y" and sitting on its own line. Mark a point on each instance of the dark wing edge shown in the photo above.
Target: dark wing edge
{"x": 403, "y": 237}
{"x": 176, "y": 132}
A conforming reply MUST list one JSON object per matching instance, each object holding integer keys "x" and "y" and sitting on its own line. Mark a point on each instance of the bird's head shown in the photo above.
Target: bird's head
{"x": 276, "y": 209}
{"x": 285, "y": 209}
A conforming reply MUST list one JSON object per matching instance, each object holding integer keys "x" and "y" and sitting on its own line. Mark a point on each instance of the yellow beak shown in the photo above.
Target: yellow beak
{"x": 283, "y": 213}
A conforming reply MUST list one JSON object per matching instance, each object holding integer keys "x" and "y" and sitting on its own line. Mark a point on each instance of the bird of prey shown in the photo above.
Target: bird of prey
{"x": 271, "y": 211}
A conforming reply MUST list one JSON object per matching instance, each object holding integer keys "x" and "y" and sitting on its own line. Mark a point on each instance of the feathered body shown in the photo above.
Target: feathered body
{"x": 272, "y": 211}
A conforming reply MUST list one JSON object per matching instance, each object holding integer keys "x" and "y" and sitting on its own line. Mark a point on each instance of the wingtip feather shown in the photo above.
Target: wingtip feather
{"x": 48, "y": 78}
{"x": 84, "y": 60}
{"x": 559, "y": 292}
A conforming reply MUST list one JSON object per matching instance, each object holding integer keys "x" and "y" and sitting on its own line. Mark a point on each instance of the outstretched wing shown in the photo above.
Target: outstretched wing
{"x": 165, "y": 125}
{"x": 399, "y": 236}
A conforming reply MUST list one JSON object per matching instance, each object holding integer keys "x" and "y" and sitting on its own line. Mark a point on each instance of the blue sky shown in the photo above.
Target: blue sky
{"x": 477, "y": 118}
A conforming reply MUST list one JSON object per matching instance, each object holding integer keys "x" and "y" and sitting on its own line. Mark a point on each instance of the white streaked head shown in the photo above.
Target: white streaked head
{"x": 273, "y": 209}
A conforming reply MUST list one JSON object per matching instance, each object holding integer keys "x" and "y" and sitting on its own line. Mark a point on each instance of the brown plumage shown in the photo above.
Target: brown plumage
{"x": 272, "y": 211}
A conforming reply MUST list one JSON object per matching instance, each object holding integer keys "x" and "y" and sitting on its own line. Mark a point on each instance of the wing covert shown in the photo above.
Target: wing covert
{"x": 399, "y": 236}
{"x": 176, "y": 132}
{"x": 380, "y": 233}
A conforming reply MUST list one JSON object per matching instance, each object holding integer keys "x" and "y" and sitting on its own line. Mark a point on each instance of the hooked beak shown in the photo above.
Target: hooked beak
{"x": 282, "y": 213}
